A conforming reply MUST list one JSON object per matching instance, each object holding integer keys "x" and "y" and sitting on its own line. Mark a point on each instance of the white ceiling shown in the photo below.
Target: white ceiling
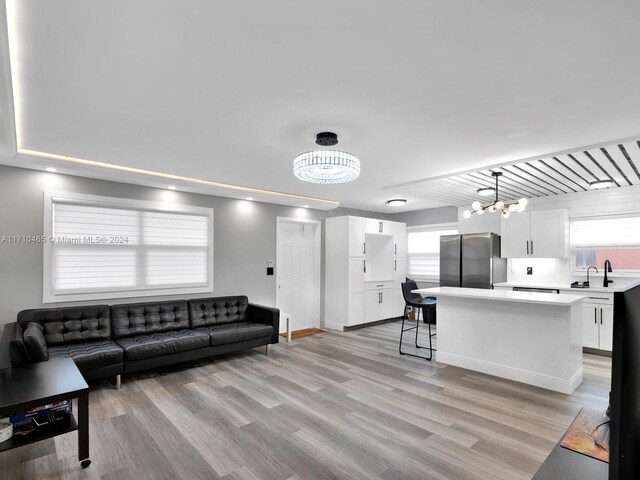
{"x": 231, "y": 91}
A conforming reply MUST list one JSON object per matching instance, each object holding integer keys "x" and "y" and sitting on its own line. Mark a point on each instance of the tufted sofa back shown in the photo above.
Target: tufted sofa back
{"x": 144, "y": 318}
{"x": 63, "y": 326}
{"x": 217, "y": 310}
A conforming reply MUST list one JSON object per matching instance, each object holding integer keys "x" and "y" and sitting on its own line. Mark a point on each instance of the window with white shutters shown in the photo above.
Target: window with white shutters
{"x": 100, "y": 247}
{"x": 423, "y": 250}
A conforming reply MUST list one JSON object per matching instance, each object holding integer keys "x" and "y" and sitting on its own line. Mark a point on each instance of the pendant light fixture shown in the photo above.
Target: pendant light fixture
{"x": 506, "y": 209}
{"x": 326, "y": 166}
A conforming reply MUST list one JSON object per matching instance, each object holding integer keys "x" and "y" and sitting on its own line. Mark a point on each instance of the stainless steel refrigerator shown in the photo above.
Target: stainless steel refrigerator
{"x": 471, "y": 260}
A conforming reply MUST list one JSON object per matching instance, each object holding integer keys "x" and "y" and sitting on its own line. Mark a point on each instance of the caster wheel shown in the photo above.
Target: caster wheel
{"x": 85, "y": 463}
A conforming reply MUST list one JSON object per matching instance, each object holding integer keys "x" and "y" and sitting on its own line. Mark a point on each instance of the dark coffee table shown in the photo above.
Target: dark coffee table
{"x": 38, "y": 384}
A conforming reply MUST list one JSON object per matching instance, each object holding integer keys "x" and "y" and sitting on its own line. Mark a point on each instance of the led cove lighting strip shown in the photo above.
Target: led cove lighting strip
{"x": 140, "y": 171}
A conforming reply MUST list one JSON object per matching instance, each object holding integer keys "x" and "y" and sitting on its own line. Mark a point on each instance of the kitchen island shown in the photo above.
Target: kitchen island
{"x": 534, "y": 338}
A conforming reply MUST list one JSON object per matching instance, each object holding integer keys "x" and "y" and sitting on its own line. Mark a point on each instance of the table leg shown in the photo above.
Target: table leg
{"x": 83, "y": 430}
{"x": 288, "y": 329}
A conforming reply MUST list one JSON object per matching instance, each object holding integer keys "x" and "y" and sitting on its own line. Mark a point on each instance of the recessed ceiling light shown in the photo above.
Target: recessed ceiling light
{"x": 249, "y": 198}
{"x": 601, "y": 184}
{"x": 305, "y": 206}
{"x": 51, "y": 169}
{"x": 171, "y": 187}
{"x": 485, "y": 192}
{"x": 396, "y": 202}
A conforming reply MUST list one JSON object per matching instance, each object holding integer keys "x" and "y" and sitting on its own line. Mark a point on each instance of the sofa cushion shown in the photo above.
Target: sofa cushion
{"x": 35, "y": 343}
{"x": 70, "y": 324}
{"x": 162, "y": 343}
{"x": 89, "y": 355}
{"x": 217, "y": 310}
{"x": 146, "y": 318}
{"x": 236, "y": 332}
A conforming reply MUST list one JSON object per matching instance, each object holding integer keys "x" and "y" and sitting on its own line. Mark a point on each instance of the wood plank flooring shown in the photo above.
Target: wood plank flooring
{"x": 329, "y": 406}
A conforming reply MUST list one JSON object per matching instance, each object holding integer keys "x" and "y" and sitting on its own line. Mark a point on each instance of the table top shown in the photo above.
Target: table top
{"x": 501, "y": 295}
{"x": 40, "y": 383}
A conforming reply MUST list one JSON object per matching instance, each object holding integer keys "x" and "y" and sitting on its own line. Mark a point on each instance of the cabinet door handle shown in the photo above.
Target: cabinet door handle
{"x": 380, "y": 227}
{"x": 364, "y": 266}
{"x": 395, "y": 265}
{"x": 595, "y": 315}
{"x": 531, "y": 247}
{"x": 364, "y": 247}
{"x": 395, "y": 248}
{"x": 527, "y": 247}
{"x": 379, "y": 297}
{"x": 600, "y": 316}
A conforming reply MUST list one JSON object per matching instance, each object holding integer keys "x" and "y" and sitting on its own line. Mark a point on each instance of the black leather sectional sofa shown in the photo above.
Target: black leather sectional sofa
{"x": 111, "y": 340}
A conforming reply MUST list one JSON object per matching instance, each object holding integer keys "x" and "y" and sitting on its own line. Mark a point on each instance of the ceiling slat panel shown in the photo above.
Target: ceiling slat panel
{"x": 605, "y": 163}
{"x": 434, "y": 191}
{"x": 507, "y": 183}
{"x": 543, "y": 177}
{"x": 556, "y": 169}
{"x": 633, "y": 151}
{"x": 526, "y": 178}
{"x": 577, "y": 167}
{"x": 530, "y": 168}
{"x": 483, "y": 180}
{"x": 585, "y": 161}
{"x": 620, "y": 159}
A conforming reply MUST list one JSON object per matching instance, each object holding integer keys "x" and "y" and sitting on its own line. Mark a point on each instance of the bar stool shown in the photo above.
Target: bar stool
{"x": 415, "y": 300}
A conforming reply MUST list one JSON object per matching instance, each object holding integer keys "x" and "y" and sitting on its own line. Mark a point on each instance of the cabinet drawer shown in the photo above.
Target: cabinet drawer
{"x": 600, "y": 298}
{"x": 378, "y": 285}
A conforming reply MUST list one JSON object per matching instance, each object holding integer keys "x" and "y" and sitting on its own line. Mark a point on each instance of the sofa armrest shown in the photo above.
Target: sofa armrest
{"x": 12, "y": 348}
{"x": 268, "y": 315}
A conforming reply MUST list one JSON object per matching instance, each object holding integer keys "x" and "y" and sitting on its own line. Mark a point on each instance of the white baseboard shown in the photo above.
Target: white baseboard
{"x": 557, "y": 384}
{"x": 333, "y": 326}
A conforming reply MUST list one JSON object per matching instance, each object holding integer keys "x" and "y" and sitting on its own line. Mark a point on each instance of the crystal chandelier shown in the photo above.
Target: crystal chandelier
{"x": 506, "y": 209}
{"x": 326, "y": 166}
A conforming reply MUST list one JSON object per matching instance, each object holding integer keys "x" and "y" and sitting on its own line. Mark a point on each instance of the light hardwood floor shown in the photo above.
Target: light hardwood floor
{"x": 329, "y": 406}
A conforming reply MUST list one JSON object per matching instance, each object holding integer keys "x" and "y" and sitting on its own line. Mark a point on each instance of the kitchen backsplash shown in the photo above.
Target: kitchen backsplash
{"x": 545, "y": 270}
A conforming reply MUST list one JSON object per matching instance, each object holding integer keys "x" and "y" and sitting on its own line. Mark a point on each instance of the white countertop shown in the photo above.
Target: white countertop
{"x": 618, "y": 285}
{"x": 501, "y": 295}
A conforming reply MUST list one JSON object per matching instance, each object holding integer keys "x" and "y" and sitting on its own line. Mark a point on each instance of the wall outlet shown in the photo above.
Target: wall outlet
{"x": 529, "y": 270}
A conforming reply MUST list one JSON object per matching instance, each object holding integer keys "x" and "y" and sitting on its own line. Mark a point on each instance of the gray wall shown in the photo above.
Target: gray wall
{"x": 428, "y": 216}
{"x": 244, "y": 239}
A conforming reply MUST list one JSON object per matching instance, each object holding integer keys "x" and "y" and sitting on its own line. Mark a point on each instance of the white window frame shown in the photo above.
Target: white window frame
{"x": 422, "y": 228}
{"x": 616, "y": 272}
{"x": 50, "y": 197}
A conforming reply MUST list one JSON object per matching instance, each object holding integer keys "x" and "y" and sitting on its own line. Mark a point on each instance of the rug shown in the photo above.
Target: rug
{"x": 589, "y": 435}
{"x": 306, "y": 332}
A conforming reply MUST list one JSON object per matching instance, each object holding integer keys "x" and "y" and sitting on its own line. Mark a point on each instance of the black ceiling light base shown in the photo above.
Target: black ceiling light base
{"x": 327, "y": 139}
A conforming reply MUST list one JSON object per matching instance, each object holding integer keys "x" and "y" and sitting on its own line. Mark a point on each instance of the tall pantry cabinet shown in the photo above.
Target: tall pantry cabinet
{"x": 365, "y": 263}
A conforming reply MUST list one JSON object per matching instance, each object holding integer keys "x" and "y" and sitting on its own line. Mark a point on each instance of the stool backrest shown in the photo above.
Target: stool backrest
{"x": 410, "y": 298}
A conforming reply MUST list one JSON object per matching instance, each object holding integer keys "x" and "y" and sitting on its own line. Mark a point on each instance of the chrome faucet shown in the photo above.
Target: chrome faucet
{"x": 607, "y": 268}
{"x": 592, "y": 266}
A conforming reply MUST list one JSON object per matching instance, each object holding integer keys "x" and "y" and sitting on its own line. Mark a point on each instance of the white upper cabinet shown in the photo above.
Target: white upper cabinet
{"x": 515, "y": 233}
{"x": 549, "y": 234}
{"x": 542, "y": 234}
{"x": 399, "y": 239}
{"x": 356, "y": 237}
{"x": 377, "y": 227}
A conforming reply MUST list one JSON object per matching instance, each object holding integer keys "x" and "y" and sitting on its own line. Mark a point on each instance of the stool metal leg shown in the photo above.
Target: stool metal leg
{"x": 402, "y": 330}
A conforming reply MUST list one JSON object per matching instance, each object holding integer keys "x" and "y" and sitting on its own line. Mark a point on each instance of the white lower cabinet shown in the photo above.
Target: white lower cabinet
{"x": 597, "y": 322}
{"x": 378, "y": 301}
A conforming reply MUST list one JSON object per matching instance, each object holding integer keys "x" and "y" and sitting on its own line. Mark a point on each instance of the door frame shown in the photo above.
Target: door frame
{"x": 317, "y": 261}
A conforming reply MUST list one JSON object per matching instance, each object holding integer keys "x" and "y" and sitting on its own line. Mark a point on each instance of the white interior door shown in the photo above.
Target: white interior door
{"x": 297, "y": 267}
